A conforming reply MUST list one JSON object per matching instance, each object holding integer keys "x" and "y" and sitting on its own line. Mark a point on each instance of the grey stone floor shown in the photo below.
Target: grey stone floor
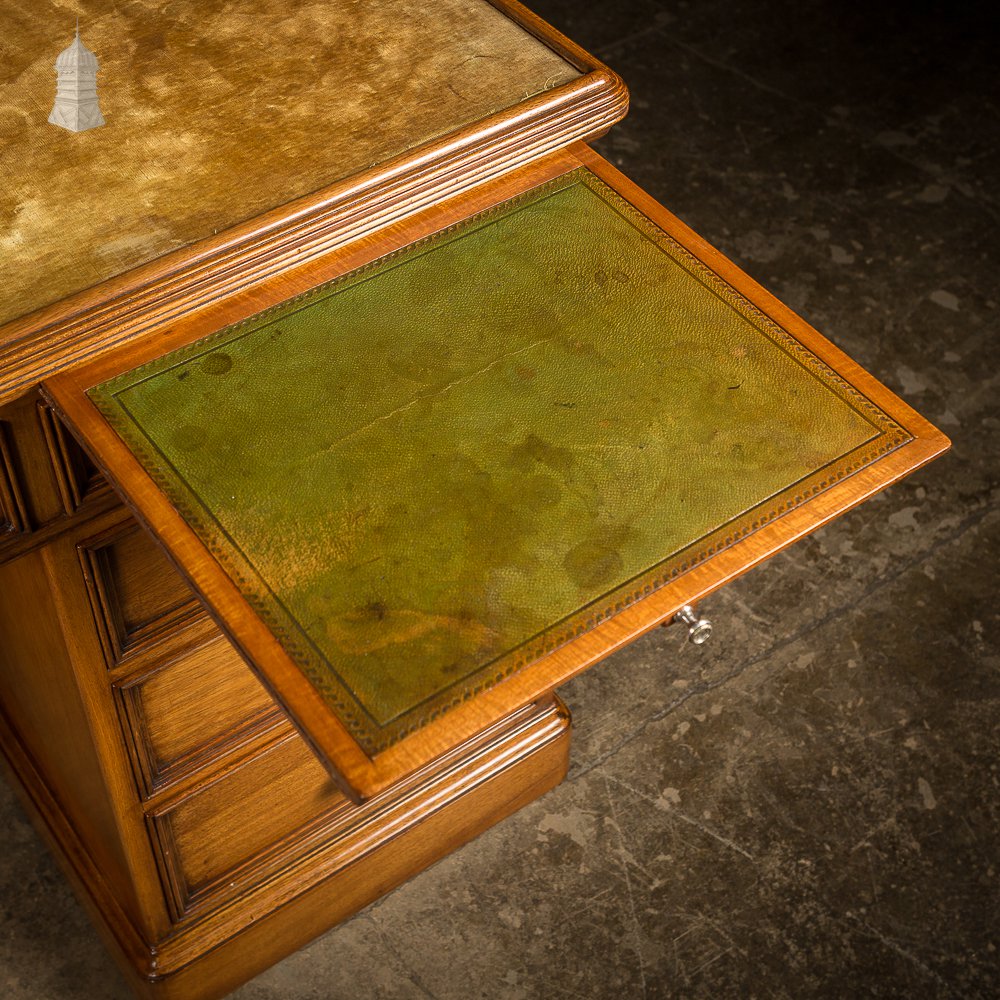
{"x": 808, "y": 806}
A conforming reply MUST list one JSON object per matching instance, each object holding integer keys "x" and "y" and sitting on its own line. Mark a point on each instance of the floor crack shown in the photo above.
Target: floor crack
{"x": 628, "y": 886}
{"x": 411, "y": 973}
{"x": 690, "y": 820}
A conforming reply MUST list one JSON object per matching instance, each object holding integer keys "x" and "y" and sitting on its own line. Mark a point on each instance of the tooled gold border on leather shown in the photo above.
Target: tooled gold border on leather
{"x": 372, "y": 737}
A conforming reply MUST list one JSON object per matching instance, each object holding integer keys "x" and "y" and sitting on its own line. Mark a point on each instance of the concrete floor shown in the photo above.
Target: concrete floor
{"x": 807, "y": 806}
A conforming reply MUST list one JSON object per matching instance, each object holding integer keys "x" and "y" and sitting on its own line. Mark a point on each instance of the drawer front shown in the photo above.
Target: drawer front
{"x": 195, "y": 708}
{"x": 46, "y": 478}
{"x": 138, "y": 596}
{"x": 241, "y": 819}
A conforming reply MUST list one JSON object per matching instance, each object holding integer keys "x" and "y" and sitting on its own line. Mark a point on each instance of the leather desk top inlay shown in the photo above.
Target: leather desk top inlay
{"x": 428, "y": 473}
{"x": 219, "y": 111}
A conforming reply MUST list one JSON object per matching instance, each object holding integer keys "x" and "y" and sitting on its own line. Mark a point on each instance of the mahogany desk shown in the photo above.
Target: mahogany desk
{"x": 312, "y": 495}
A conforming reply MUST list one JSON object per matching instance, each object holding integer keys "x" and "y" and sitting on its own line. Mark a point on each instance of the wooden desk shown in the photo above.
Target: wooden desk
{"x": 413, "y": 451}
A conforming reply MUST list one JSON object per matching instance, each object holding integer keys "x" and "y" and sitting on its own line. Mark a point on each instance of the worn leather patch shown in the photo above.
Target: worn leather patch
{"x": 217, "y": 111}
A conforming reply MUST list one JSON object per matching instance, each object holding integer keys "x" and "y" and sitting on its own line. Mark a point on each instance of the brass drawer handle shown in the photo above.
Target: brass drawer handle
{"x": 699, "y": 629}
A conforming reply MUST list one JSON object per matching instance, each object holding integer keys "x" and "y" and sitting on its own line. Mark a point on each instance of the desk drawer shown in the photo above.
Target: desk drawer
{"x": 137, "y": 595}
{"x": 240, "y": 819}
{"x": 46, "y": 479}
{"x": 261, "y": 822}
{"x": 188, "y": 712}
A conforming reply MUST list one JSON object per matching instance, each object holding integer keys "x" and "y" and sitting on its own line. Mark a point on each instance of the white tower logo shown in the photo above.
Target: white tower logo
{"x": 76, "y": 105}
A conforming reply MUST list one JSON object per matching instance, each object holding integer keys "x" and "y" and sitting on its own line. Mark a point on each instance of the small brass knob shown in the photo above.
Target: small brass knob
{"x": 699, "y": 629}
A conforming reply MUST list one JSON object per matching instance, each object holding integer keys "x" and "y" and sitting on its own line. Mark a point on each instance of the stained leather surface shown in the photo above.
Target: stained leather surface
{"x": 218, "y": 110}
{"x": 426, "y": 474}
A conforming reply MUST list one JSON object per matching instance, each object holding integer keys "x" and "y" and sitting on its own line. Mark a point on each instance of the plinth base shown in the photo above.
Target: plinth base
{"x": 354, "y": 857}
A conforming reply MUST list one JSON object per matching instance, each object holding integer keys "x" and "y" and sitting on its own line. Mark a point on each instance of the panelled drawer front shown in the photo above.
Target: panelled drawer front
{"x": 241, "y": 818}
{"x": 191, "y": 710}
{"x": 137, "y": 594}
{"x": 45, "y": 477}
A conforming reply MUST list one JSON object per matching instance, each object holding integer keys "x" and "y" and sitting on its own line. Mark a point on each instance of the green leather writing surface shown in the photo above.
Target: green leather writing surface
{"x": 430, "y": 472}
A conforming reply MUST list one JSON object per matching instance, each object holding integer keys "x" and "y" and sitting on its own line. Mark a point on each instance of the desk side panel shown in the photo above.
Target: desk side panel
{"x": 66, "y": 733}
